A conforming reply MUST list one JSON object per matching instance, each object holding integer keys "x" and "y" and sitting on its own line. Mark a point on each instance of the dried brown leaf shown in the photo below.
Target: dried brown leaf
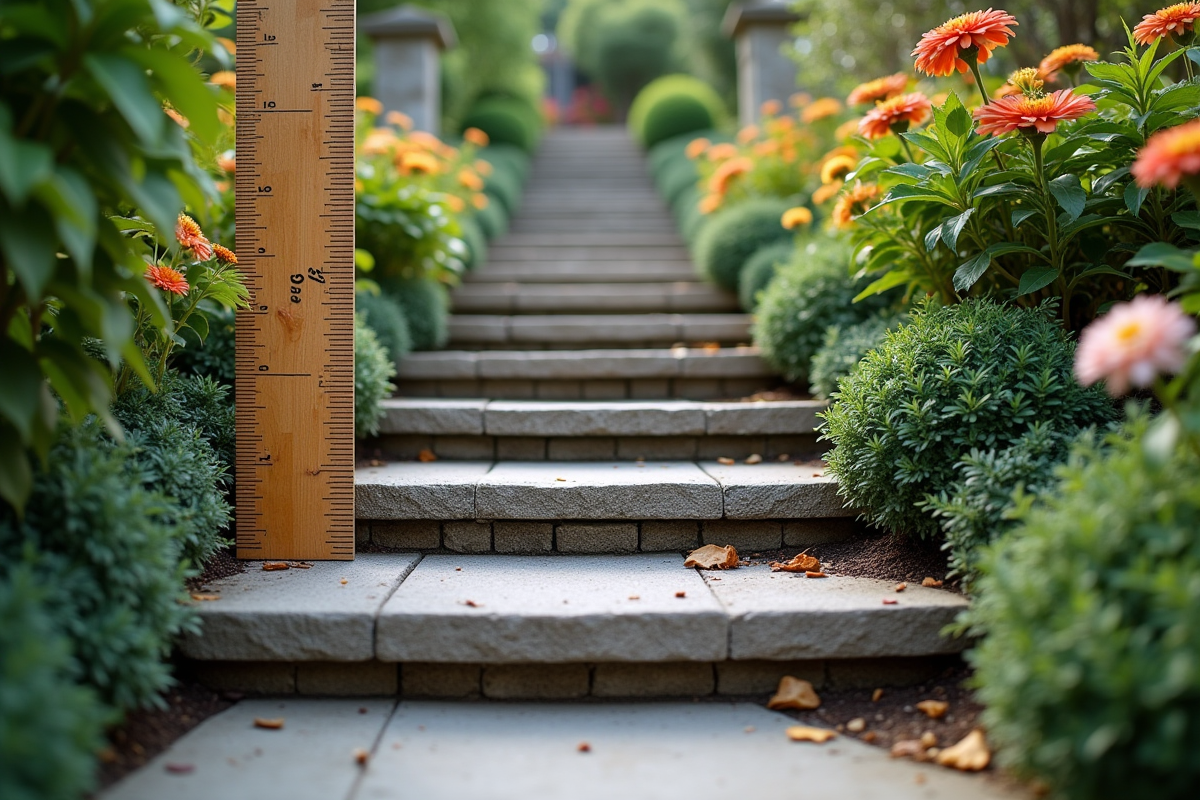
{"x": 794, "y": 693}
{"x": 754, "y": 459}
{"x": 584, "y": 747}
{"x": 908, "y": 748}
{"x": 271, "y": 566}
{"x": 268, "y": 724}
{"x": 970, "y": 755}
{"x": 934, "y": 709}
{"x": 815, "y": 574}
{"x": 799, "y": 563}
{"x": 729, "y": 462}
{"x": 875, "y": 695}
{"x": 930, "y": 582}
{"x": 426, "y": 456}
{"x": 205, "y": 597}
{"x": 361, "y": 756}
{"x": 712, "y": 556}
{"x": 856, "y": 725}
{"x": 929, "y": 739}
{"x": 807, "y": 733}
{"x": 900, "y": 587}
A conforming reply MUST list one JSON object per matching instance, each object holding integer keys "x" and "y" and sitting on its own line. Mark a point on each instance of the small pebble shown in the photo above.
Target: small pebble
{"x": 856, "y": 725}
{"x": 875, "y": 695}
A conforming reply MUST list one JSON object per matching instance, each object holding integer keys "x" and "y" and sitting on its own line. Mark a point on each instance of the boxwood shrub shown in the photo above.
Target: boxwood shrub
{"x": 476, "y": 241}
{"x": 426, "y": 306}
{"x": 760, "y": 269}
{"x": 844, "y": 347}
{"x": 384, "y": 315}
{"x": 1090, "y": 617}
{"x": 971, "y": 376}
{"x": 373, "y": 372}
{"x": 492, "y": 220}
{"x": 674, "y": 105}
{"x": 505, "y": 120}
{"x": 733, "y": 234}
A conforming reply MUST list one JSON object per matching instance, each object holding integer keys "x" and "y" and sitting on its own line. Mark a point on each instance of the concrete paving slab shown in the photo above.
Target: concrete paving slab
{"x": 777, "y": 417}
{"x": 782, "y": 615}
{"x": 599, "y": 418}
{"x": 577, "y": 364}
{"x": 540, "y": 609}
{"x": 310, "y": 758}
{"x": 432, "y": 416}
{"x": 326, "y": 612}
{"x": 777, "y": 491}
{"x": 598, "y": 490}
{"x": 639, "y": 751}
{"x": 413, "y": 490}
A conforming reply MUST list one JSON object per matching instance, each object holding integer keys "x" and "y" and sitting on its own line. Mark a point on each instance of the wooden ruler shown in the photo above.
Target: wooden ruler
{"x": 295, "y": 244}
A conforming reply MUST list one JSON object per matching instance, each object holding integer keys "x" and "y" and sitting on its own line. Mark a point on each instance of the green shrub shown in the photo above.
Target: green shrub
{"x": 50, "y": 728}
{"x": 674, "y": 105}
{"x": 505, "y": 121}
{"x": 384, "y": 315}
{"x": 426, "y": 306}
{"x": 97, "y": 542}
{"x": 976, "y": 375}
{"x": 658, "y": 156}
{"x": 687, "y": 213}
{"x": 504, "y": 185}
{"x": 373, "y": 372}
{"x": 507, "y": 156}
{"x": 214, "y": 357}
{"x": 1090, "y": 612}
{"x": 475, "y": 239}
{"x": 492, "y": 220}
{"x": 676, "y": 177}
{"x": 635, "y": 45}
{"x": 734, "y": 234}
{"x": 806, "y": 296}
{"x": 843, "y": 349}
{"x": 760, "y": 269}
{"x": 992, "y": 486}
{"x": 195, "y": 400}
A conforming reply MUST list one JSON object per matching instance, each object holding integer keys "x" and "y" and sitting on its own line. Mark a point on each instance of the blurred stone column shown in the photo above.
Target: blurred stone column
{"x": 407, "y": 42}
{"x": 760, "y": 30}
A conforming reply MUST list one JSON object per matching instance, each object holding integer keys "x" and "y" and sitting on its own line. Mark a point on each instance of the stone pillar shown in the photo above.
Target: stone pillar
{"x": 760, "y": 30}
{"x": 407, "y": 41}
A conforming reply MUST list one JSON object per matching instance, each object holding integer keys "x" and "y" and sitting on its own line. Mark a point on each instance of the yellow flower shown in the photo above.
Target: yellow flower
{"x": 484, "y": 168}
{"x": 846, "y": 130}
{"x": 748, "y": 134}
{"x": 369, "y": 104}
{"x": 835, "y": 169}
{"x": 225, "y": 79}
{"x": 480, "y": 201}
{"x": 378, "y": 140}
{"x": 420, "y": 162}
{"x": 826, "y": 192}
{"x": 470, "y": 180}
{"x": 770, "y": 108}
{"x": 455, "y": 203}
{"x": 800, "y": 99}
{"x": 795, "y": 217}
{"x": 722, "y": 151}
{"x": 820, "y": 109}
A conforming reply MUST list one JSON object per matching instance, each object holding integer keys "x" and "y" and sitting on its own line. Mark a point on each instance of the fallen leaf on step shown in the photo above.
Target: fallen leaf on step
{"x": 635, "y": 597}
{"x": 815, "y": 574}
{"x": 784, "y": 457}
{"x": 729, "y": 462}
{"x": 426, "y": 455}
{"x": 969, "y": 755}
{"x": 205, "y": 597}
{"x": 869, "y": 736}
{"x": 908, "y": 748}
{"x": 900, "y": 587}
{"x": 802, "y": 562}
{"x": 299, "y": 565}
{"x": 472, "y": 604}
{"x": 271, "y": 566}
{"x": 710, "y": 347}
{"x": 807, "y": 733}
{"x": 268, "y": 724}
{"x": 856, "y": 725}
{"x": 934, "y": 709}
{"x": 875, "y": 695}
{"x": 176, "y": 768}
{"x": 584, "y": 747}
{"x": 794, "y": 693}
{"x": 887, "y": 601}
{"x": 929, "y": 739}
{"x": 681, "y": 594}
{"x": 343, "y": 581}
{"x": 361, "y": 756}
{"x": 931, "y": 583}
{"x": 712, "y": 556}
{"x": 564, "y": 480}
{"x": 754, "y": 459}
{"x": 375, "y": 462}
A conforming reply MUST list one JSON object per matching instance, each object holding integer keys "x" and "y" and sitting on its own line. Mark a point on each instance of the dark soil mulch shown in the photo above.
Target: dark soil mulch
{"x": 223, "y": 564}
{"x": 145, "y": 734}
{"x": 872, "y": 555}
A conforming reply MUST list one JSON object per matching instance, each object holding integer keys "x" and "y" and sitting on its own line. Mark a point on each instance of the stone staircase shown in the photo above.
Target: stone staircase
{"x": 524, "y": 513}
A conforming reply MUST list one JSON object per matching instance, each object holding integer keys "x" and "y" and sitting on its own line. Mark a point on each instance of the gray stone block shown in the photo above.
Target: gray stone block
{"x": 479, "y": 328}
{"x": 523, "y": 538}
{"x": 759, "y": 418}
{"x": 739, "y": 447}
{"x": 777, "y": 491}
{"x": 325, "y": 613}
{"x": 598, "y": 491}
{"x": 440, "y": 365}
{"x": 361, "y": 679}
{"x": 780, "y": 615}
{"x": 552, "y": 610}
{"x": 649, "y": 388}
{"x": 697, "y": 388}
{"x": 412, "y": 490}
{"x": 442, "y": 681}
{"x": 408, "y": 534}
{"x": 745, "y": 535}
{"x": 657, "y": 448}
{"x": 575, "y": 364}
{"x": 535, "y": 681}
{"x": 624, "y": 418}
{"x": 464, "y": 448}
{"x": 509, "y": 389}
{"x": 591, "y": 448}
{"x": 713, "y": 327}
{"x": 679, "y": 679}
{"x": 467, "y": 537}
{"x": 432, "y": 416}
{"x": 362, "y": 532}
{"x": 762, "y": 677}
{"x": 596, "y": 537}
{"x": 605, "y": 390}
{"x": 584, "y": 329}
{"x": 734, "y": 362}
{"x": 558, "y": 390}
{"x": 251, "y": 677}
{"x": 800, "y": 447}
{"x": 669, "y": 535}
{"x": 520, "y": 448}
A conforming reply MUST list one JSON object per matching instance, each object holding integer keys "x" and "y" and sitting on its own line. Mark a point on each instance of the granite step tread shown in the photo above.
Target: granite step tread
{"x": 593, "y": 298}
{"x": 595, "y": 490}
{"x": 675, "y": 362}
{"x": 591, "y": 330}
{"x": 564, "y": 609}
{"x": 476, "y": 417}
{"x": 560, "y": 270}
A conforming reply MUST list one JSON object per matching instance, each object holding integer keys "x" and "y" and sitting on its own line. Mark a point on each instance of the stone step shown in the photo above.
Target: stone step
{"x": 574, "y": 331}
{"x": 596, "y": 490}
{"x": 591, "y": 298}
{"x": 633, "y": 609}
{"x": 562, "y": 271}
{"x": 588, "y": 225}
{"x": 585, "y": 242}
{"x": 624, "y": 247}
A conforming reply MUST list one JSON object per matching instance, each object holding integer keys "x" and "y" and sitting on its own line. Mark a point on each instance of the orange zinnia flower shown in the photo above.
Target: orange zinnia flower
{"x": 770, "y": 108}
{"x": 228, "y": 164}
{"x": 1169, "y": 157}
{"x": 455, "y": 203}
{"x": 767, "y": 148}
{"x": 878, "y": 89}
{"x": 1168, "y": 21}
{"x": 476, "y": 137}
{"x": 800, "y": 99}
{"x": 369, "y": 105}
{"x": 167, "y": 279}
{"x": 837, "y": 167}
{"x": 696, "y": 148}
{"x": 470, "y": 180}
{"x": 224, "y": 254}
{"x": 722, "y": 151}
{"x": 480, "y": 201}
{"x": 179, "y": 119}
{"x": 820, "y": 109}
{"x": 377, "y": 141}
{"x": 1068, "y": 58}
{"x": 895, "y": 115}
{"x": 709, "y": 203}
{"x": 854, "y": 203}
{"x": 484, "y": 168}
{"x": 420, "y": 162}
{"x": 719, "y": 182}
{"x": 190, "y": 237}
{"x": 1041, "y": 114}
{"x": 399, "y": 119}
{"x": 826, "y": 192}
{"x": 225, "y": 79}
{"x": 795, "y": 217}
{"x": 940, "y": 51}
{"x": 747, "y": 134}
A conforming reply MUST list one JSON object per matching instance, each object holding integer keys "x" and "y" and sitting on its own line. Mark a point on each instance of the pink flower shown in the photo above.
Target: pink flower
{"x": 1134, "y": 343}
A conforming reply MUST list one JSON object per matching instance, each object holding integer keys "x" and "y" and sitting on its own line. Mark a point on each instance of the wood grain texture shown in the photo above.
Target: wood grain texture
{"x": 295, "y": 244}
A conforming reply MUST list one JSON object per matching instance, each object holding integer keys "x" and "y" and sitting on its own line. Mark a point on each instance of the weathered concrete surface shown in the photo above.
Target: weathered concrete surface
{"x": 432, "y": 416}
{"x": 776, "y": 491}
{"x": 513, "y": 609}
{"x": 413, "y": 490}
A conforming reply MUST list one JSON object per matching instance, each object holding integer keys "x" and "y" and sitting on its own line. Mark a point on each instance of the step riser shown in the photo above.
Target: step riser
{"x": 602, "y": 389}
{"x": 592, "y": 332}
{"x": 588, "y": 537}
{"x": 499, "y": 299}
{"x": 591, "y": 448}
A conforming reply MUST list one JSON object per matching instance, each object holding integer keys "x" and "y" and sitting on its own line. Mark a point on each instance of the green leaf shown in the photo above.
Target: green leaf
{"x": 1069, "y": 193}
{"x": 1036, "y": 278}
{"x": 29, "y": 245}
{"x": 969, "y": 273}
{"x": 1134, "y": 197}
{"x": 23, "y": 165}
{"x": 178, "y": 80}
{"x": 71, "y": 202}
{"x": 1161, "y": 254}
{"x": 126, "y": 84}
{"x": 1187, "y": 219}
{"x": 20, "y": 391}
{"x": 958, "y": 121}
{"x": 889, "y": 281}
{"x": 1019, "y": 215}
{"x": 16, "y": 475}
{"x": 953, "y": 227}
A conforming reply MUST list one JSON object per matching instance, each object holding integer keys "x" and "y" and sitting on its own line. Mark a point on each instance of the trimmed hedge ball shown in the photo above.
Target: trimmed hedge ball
{"x": 492, "y": 220}
{"x": 760, "y": 269}
{"x": 734, "y": 234}
{"x": 385, "y": 316}
{"x": 505, "y": 121}
{"x": 426, "y": 306}
{"x": 674, "y": 105}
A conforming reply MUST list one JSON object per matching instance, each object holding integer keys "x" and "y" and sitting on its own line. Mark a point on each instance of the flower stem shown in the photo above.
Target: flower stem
{"x": 974, "y": 63}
